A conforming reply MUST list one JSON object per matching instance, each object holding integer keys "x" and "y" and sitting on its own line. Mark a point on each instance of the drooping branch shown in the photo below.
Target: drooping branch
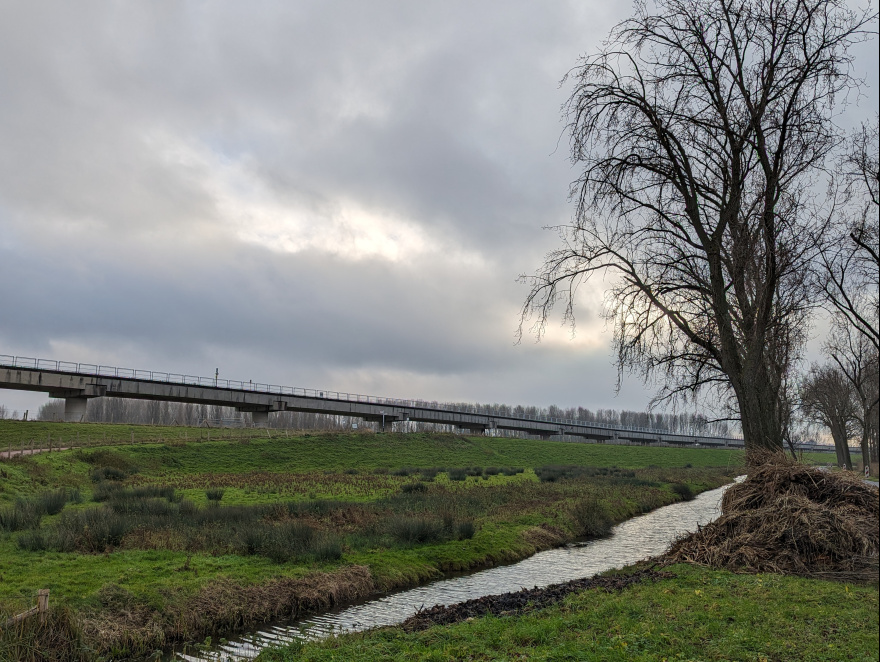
{"x": 700, "y": 130}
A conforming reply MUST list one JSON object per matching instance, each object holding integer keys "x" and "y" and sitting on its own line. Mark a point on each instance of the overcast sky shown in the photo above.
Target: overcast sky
{"x": 322, "y": 194}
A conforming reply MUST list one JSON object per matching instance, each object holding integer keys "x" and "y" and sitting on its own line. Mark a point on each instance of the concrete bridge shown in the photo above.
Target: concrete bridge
{"x": 78, "y": 382}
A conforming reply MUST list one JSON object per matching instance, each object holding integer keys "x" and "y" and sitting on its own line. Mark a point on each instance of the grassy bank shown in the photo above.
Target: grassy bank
{"x": 142, "y": 545}
{"x": 697, "y": 615}
{"x": 334, "y": 451}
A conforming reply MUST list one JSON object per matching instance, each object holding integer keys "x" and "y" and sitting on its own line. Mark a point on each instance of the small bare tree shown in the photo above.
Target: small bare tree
{"x": 828, "y": 398}
{"x": 857, "y": 360}
{"x": 700, "y": 130}
{"x": 850, "y": 279}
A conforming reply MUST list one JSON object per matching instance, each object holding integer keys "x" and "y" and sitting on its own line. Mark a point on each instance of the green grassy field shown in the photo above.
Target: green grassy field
{"x": 698, "y": 615}
{"x": 380, "y": 512}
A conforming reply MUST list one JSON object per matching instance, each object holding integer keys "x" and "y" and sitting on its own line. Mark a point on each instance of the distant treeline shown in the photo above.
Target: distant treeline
{"x": 121, "y": 410}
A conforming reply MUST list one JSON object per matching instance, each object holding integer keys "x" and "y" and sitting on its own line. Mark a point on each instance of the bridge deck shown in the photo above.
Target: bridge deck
{"x": 77, "y": 382}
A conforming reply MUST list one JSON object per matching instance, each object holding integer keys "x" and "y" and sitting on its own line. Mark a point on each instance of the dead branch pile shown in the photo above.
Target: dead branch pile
{"x": 792, "y": 519}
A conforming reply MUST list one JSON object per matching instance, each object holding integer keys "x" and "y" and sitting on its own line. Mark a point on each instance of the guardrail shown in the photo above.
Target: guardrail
{"x": 97, "y": 370}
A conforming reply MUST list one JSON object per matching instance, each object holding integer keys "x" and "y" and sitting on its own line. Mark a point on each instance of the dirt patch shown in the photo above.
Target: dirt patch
{"x": 518, "y": 602}
{"x": 791, "y": 519}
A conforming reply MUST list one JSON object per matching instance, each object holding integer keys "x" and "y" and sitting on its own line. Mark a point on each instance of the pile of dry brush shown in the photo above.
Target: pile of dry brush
{"x": 792, "y": 519}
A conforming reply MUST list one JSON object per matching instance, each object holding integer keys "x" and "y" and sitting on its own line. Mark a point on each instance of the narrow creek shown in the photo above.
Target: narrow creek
{"x": 633, "y": 540}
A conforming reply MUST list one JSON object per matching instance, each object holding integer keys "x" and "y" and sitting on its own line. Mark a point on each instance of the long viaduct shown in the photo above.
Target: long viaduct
{"x": 76, "y": 383}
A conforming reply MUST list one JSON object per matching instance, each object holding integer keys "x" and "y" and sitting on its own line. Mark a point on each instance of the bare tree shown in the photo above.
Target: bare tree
{"x": 850, "y": 279}
{"x": 828, "y": 398}
{"x": 857, "y": 359}
{"x": 701, "y": 129}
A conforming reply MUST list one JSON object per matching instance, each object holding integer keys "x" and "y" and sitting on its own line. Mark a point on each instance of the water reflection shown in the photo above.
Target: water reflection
{"x": 631, "y": 541}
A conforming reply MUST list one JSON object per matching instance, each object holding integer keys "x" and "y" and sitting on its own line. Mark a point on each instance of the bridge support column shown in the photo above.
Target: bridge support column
{"x": 260, "y": 419}
{"x": 75, "y": 409}
{"x": 386, "y": 422}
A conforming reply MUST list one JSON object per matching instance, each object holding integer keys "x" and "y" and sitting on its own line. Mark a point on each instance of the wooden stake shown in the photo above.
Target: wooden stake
{"x": 43, "y": 604}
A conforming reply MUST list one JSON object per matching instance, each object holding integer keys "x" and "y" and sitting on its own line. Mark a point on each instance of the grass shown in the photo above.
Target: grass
{"x": 286, "y": 451}
{"x": 169, "y": 525}
{"x": 697, "y": 615}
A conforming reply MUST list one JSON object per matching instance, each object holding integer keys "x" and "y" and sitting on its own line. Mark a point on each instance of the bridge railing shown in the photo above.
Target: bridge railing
{"x": 256, "y": 387}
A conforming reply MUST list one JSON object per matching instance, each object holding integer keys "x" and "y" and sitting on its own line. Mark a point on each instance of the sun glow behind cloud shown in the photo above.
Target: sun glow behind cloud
{"x": 348, "y": 231}
{"x": 317, "y": 221}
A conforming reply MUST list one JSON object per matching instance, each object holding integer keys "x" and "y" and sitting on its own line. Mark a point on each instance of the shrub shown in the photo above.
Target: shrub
{"x": 52, "y": 503}
{"x": 327, "y": 548}
{"x": 214, "y": 494}
{"x": 90, "y": 530}
{"x": 141, "y": 506}
{"x": 32, "y": 541}
{"x": 314, "y": 507}
{"x": 649, "y": 500}
{"x": 414, "y": 530}
{"x": 287, "y": 540}
{"x": 253, "y": 539}
{"x": 403, "y": 471}
{"x": 457, "y": 474}
{"x": 414, "y": 487}
{"x": 429, "y": 474}
{"x": 683, "y": 490}
{"x": 466, "y": 530}
{"x": 591, "y": 518}
{"x": 107, "y": 473}
{"x": 512, "y": 471}
{"x": 104, "y": 490}
{"x": 107, "y": 459}
{"x": 492, "y": 471}
{"x": 23, "y": 514}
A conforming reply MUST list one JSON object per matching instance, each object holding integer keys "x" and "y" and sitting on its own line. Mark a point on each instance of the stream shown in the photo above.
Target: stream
{"x": 631, "y": 541}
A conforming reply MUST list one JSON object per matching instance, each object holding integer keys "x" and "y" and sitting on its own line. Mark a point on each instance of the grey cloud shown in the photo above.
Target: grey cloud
{"x": 113, "y": 237}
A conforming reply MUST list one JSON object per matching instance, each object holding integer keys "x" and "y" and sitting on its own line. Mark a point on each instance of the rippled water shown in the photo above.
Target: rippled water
{"x": 632, "y": 541}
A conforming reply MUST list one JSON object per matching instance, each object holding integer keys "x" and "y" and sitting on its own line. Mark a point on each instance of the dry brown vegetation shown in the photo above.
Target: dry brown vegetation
{"x": 791, "y": 519}
{"x": 125, "y": 624}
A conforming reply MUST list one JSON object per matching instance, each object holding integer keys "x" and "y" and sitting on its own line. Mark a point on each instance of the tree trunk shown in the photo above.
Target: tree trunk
{"x": 841, "y": 445}
{"x": 758, "y": 402}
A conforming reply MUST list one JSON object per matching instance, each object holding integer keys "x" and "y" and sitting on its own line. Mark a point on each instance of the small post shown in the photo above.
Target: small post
{"x": 43, "y": 604}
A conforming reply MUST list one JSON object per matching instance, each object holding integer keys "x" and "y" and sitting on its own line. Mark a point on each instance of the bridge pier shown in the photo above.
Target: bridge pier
{"x": 471, "y": 429}
{"x": 260, "y": 419}
{"x": 75, "y": 409}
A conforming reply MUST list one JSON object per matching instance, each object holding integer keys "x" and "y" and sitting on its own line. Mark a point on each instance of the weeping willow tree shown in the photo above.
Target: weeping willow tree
{"x": 700, "y": 131}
